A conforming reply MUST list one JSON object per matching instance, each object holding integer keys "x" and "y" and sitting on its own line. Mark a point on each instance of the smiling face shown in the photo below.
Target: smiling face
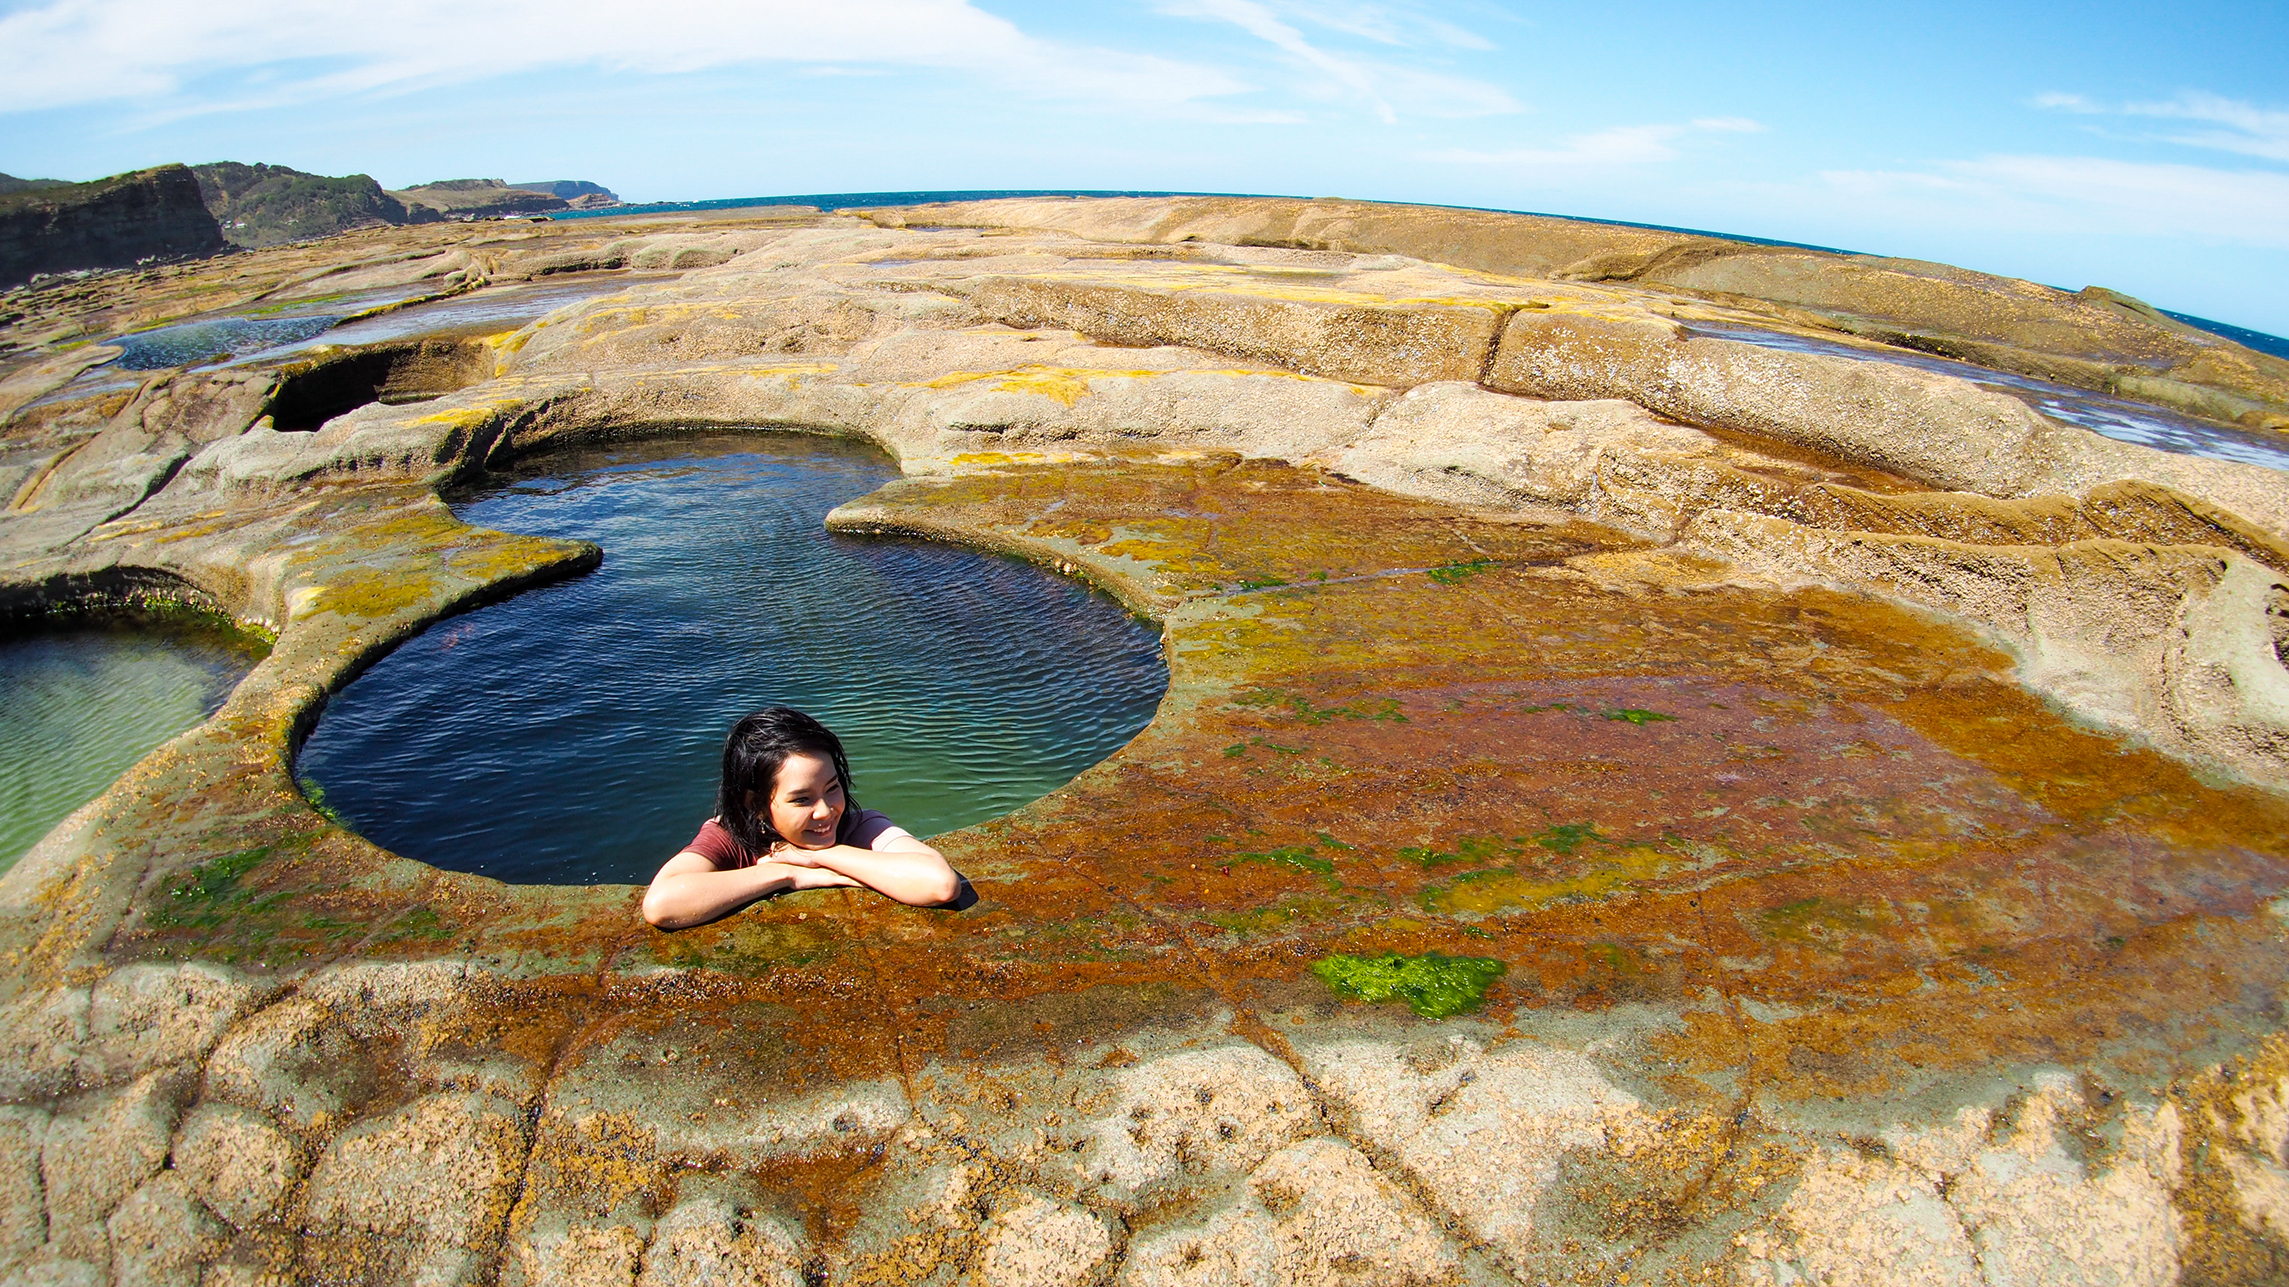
{"x": 806, "y": 801}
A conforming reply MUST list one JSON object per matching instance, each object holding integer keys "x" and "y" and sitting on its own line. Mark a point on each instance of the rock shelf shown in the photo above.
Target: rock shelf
{"x": 1872, "y": 792}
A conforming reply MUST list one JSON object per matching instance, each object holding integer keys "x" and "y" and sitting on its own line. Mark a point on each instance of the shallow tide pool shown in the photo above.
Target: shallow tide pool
{"x": 574, "y": 733}
{"x": 2117, "y": 418}
{"x": 79, "y": 707}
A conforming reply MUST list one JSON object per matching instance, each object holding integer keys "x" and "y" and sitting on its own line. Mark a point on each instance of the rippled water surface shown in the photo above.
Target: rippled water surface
{"x": 191, "y": 343}
{"x": 291, "y": 328}
{"x": 2117, "y": 418}
{"x": 574, "y": 732}
{"x": 495, "y": 308}
{"x": 79, "y": 707}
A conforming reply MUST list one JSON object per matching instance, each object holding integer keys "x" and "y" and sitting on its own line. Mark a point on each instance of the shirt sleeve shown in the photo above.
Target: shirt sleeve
{"x": 872, "y": 828}
{"x": 716, "y": 844}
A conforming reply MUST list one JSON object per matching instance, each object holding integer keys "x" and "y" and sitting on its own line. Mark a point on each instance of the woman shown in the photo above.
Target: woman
{"x": 785, "y": 820}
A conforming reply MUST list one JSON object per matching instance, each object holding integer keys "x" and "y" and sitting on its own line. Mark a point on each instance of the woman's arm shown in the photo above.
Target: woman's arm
{"x": 898, "y": 866}
{"x": 691, "y": 891}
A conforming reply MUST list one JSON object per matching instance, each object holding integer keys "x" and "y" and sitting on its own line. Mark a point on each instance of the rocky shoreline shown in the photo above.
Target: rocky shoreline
{"x": 1871, "y": 791}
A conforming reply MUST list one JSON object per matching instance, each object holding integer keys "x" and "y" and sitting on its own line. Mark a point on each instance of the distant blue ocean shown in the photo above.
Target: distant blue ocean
{"x": 869, "y": 200}
{"x": 2241, "y": 335}
{"x": 2259, "y": 340}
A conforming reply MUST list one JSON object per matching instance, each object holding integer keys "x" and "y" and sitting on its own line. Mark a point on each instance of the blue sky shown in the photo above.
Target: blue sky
{"x": 2145, "y": 148}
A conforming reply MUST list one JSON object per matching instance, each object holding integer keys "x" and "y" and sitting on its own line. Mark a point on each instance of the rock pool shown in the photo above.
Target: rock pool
{"x": 78, "y": 706}
{"x": 572, "y": 734}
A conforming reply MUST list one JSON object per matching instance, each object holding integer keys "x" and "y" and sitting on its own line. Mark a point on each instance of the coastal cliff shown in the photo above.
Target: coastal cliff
{"x": 475, "y": 199}
{"x": 109, "y": 223}
{"x": 271, "y": 205}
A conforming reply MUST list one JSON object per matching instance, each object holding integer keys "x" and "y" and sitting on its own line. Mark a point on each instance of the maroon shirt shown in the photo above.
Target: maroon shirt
{"x": 716, "y": 843}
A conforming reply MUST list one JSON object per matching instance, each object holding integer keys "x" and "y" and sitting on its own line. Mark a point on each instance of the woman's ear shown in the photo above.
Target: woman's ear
{"x": 747, "y": 801}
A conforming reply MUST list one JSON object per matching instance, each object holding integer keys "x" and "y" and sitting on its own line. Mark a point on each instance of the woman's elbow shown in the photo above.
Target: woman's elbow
{"x": 939, "y": 890}
{"x": 656, "y": 912}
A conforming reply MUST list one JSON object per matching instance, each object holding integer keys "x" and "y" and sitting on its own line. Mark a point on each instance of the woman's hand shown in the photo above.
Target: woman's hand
{"x": 898, "y": 865}
{"x": 782, "y": 852}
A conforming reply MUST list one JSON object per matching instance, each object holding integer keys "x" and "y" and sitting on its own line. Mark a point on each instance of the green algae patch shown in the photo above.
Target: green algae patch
{"x": 1641, "y": 718}
{"x": 420, "y": 927}
{"x": 203, "y": 899}
{"x": 1566, "y": 837}
{"x": 1433, "y": 985}
{"x": 1292, "y": 856}
{"x": 1286, "y": 913}
{"x": 1496, "y": 892}
{"x": 1459, "y": 571}
{"x": 316, "y": 795}
{"x": 369, "y": 595}
{"x": 1302, "y": 707}
{"x": 1821, "y": 922}
{"x": 1467, "y": 849}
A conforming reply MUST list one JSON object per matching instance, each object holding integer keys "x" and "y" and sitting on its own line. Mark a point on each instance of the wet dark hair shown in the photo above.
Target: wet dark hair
{"x": 758, "y": 745}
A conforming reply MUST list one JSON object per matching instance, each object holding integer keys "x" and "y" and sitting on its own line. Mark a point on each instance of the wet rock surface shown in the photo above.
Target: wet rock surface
{"x": 1835, "y": 815}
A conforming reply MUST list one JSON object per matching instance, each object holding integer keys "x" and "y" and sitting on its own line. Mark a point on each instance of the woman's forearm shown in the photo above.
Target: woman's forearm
{"x": 693, "y": 898}
{"x": 916, "y": 876}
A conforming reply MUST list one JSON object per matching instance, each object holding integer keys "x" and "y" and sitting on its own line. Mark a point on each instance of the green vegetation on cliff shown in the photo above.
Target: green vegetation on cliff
{"x": 270, "y": 205}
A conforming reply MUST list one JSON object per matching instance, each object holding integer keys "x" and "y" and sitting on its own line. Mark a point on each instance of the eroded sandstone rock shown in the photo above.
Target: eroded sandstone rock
{"x": 418, "y": 1194}
{"x": 1314, "y": 1213}
{"x": 101, "y": 1147}
{"x": 1603, "y": 676}
{"x": 1482, "y": 1131}
{"x": 1040, "y": 1242}
{"x": 718, "y": 1232}
{"x": 235, "y": 1162}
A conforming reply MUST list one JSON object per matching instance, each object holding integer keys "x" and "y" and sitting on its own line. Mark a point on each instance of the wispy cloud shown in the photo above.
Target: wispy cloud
{"x": 68, "y": 52}
{"x": 1385, "y": 24}
{"x": 1388, "y": 88}
{"x": 2077, "y": 195}
{"x": 1621, "y": 145}
{"x": 2243, "y": 127}
{"x": 2235, "y": 126}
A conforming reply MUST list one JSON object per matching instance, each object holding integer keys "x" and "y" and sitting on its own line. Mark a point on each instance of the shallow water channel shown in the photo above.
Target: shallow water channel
{"x": 2111, "y": 417}
{"x": 574, "y": 733}
{"x": 79, "y": 707}
{"x": 286, "y": 329}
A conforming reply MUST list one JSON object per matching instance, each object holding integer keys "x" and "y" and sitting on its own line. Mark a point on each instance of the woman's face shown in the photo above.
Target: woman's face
{"x": 807, "y": 801}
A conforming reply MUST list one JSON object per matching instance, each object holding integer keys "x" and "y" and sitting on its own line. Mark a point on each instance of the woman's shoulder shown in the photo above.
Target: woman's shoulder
{"x": 716, "y": 844}
{"x": 869, "y": 826}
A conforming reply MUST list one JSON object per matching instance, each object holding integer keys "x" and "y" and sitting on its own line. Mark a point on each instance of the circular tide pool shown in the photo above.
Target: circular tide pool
{"x": 573, "y": 734}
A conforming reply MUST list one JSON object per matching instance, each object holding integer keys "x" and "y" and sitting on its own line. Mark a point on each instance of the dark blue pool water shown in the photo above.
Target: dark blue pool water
{"x": 574, "y": 733}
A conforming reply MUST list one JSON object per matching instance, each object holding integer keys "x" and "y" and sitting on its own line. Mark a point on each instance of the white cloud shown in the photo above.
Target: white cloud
{"x": 1387, "y": 89}
{"x": 68, "y": 52}
{"x": 1383, "y": 24}
{"x": 2087, "y": 195}
{"x": 1620, "y": 145}
{"x": 2248, "y": 129}
{"x": 2240, "y": 127}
